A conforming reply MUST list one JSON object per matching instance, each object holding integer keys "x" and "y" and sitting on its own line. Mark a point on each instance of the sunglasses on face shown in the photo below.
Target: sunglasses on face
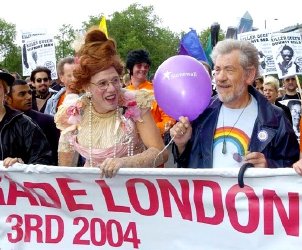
{"x": 39, "y": 80}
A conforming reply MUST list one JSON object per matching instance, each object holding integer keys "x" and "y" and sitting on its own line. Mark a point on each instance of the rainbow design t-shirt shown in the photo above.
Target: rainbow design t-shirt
{"x": 232, "y": 135}
{"x": 235, "y": 136}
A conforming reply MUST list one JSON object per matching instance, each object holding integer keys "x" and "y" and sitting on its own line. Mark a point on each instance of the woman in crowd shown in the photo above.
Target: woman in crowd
{"x": 109, "y": 126}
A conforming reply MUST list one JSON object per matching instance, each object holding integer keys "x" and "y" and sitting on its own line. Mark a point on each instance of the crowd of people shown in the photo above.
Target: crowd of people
{"x": 101, "y": 112}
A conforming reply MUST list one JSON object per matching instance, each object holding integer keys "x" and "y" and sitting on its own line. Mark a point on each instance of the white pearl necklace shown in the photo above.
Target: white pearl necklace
{"x": 130, "y": 143}
{"x": 90, "y": 132}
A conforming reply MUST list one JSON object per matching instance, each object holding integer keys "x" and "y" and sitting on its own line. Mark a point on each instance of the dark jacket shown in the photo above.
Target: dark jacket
{"x": 281, "y": 149}
{"x": 21, "y": 137}
{"x": 48, "y": 126}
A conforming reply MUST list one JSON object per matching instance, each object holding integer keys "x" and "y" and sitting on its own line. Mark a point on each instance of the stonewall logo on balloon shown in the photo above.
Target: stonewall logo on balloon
{"x": 169, "y": 75}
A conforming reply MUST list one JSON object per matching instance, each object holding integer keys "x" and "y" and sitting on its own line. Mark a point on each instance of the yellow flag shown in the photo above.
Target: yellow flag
{"x": 103, "y": 26}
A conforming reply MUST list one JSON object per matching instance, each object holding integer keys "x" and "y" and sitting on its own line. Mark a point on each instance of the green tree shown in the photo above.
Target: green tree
{"x": 138, "y": 27}
{"x": 13, "y": 60}
{"x": 64, "y": 39}
{"x": 205, "y": 34}
{"x": 10, "y": 53}
{"x": 93, "y": 21}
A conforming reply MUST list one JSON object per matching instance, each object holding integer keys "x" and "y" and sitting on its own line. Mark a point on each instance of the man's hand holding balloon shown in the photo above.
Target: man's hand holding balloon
{"x": 181, "y": 133}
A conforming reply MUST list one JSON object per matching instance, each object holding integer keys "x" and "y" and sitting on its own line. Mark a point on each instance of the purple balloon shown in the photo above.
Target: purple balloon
{"x": 182, "y": 87}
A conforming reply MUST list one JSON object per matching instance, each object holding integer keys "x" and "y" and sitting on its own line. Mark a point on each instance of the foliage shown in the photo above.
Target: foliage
{"x": 66, "y": 36}
{"x": 205, "y": 34}
{"x": 92, "y": 21}
{"x": 10, "y": 53}
{"x": 136, "y": 27}
{"x": 13, "y": 60}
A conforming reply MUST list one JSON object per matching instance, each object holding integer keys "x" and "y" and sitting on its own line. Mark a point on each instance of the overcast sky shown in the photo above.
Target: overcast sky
{"x": 177, "y": 15}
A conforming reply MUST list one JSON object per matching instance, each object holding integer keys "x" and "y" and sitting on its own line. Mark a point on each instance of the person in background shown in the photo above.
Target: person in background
{"x": 126, "y": 80}
{"x": 281, "y": 92}
{"x": 298, "y": 165}
{"x": 292, "y": 96}
{"x": 16, "y": 75}
{"x": 65, "y": 70}
{"x": 19, "y": 97}
{"x": 108, "y": 125}
{"x": 288, "y": 65}
{"x": 295, "y": 110}
{"x": 21, "y": 140}
{"x": 290, "y": 85}
{"x": 258, "y": 84}
{"x": 57, "y": 85}
{"x": 209, "y": 70}
{"x": 270, "y": 91}
{"x": 138, "y": 64}
{"x": 240, "y": 125}
{"x": 30, "y": 84}
{"x": 41, "y": 80}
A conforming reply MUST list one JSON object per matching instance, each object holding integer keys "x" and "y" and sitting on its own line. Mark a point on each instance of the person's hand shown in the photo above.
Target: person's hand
{"x": 110, "y": 167}
{"x": 298, "y": 167}
{"x": 181, "y": 132}
{"x": 256, "y": 158}
{"x": 8, "y": 162}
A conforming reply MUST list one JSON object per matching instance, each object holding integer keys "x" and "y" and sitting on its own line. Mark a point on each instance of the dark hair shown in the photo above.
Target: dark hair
{"x": 40, "y": 69}
{"x": 16, "y": 83}
{"x": 16, "y": 75}
{"x": 260, "y": 79}
{"x": 136, "y": 57}
{"x": 98, "y": 53}
{"x": 286, "y": 47}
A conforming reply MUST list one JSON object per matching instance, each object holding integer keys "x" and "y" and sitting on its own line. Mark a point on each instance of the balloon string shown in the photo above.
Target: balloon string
{"x": 163, "y": 150}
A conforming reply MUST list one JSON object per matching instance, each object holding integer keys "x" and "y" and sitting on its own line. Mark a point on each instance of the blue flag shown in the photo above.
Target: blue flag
{"x": 190, "y": 45}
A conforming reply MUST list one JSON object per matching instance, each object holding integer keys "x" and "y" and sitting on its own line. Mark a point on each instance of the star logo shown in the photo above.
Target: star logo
{"x": 167, "y": 75}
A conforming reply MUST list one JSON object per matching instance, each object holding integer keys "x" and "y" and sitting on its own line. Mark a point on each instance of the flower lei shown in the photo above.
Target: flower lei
{"x": 74, "y": 112}
{"x": 131, "y": 108}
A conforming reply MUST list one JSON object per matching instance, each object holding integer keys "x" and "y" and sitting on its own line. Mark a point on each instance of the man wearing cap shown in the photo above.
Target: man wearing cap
{"x": 21, "y": 140}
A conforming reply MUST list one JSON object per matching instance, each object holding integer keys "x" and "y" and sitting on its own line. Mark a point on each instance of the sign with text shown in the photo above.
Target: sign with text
{"x": 262, "y": 41}
{"x": 38, "y": 49}
{"x": 287, "y": 50}
{"x": 48, "y": 208}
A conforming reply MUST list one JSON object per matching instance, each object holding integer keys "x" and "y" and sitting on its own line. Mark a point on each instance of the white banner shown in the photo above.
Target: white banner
{"x": 287, "y": 50}
{"x": 262, "y": 41}
{"x": 38, "y": 49}
{"x": 73, "y": 208}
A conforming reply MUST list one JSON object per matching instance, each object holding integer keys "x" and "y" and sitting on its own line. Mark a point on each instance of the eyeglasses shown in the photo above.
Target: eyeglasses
{"x": 39, "y": 80}
{"x": 104, "y": 84}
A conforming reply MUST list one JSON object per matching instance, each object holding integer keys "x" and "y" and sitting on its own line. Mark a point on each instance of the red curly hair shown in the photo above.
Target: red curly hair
{"x": 98, "y": 53}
